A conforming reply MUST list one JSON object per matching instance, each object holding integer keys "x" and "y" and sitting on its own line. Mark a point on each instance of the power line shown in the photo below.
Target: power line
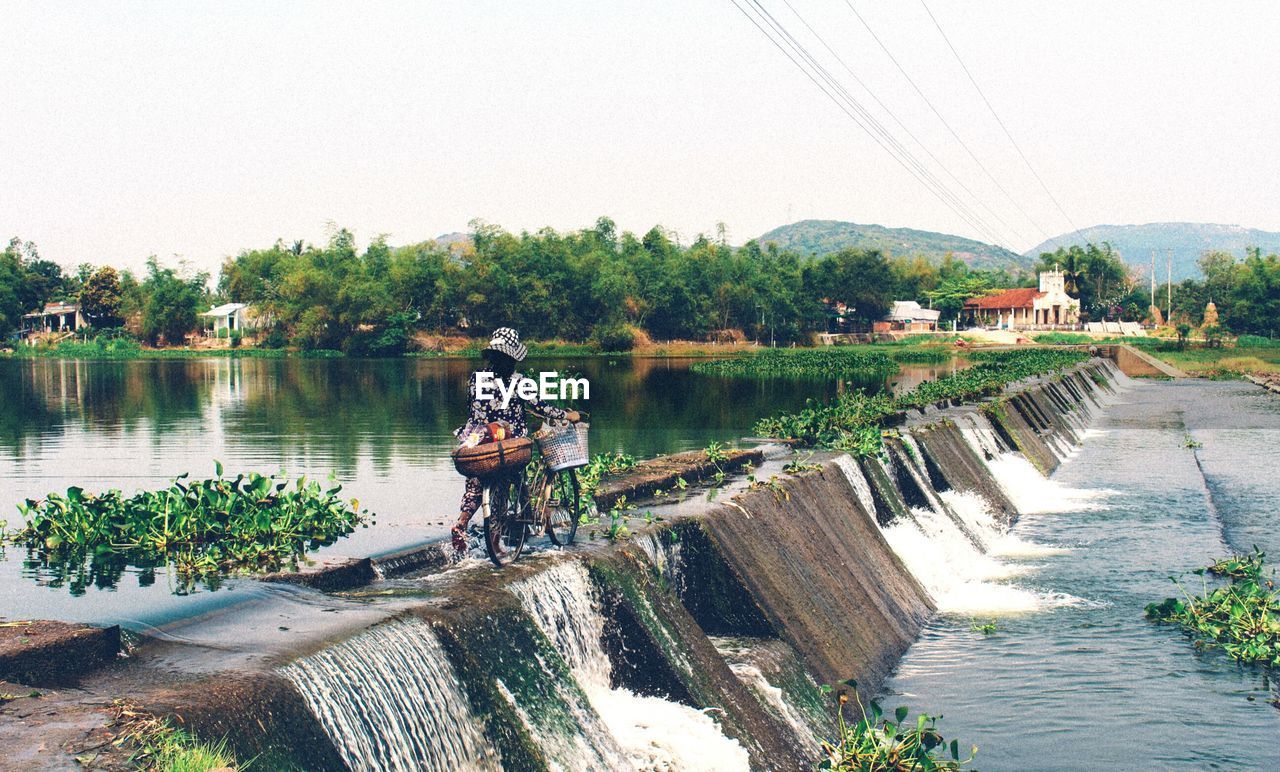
{"x": 996, "y": 115}
{"x": 1008, "y": 228}
{"x": 989, "y": 232}
{"x": 782, "y": 40}
{"x": 945, "y": 123}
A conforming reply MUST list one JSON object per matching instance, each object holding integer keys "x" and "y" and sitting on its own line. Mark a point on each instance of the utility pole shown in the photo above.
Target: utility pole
{"x": 1168, "y": 253}
{"x": 1153, "y": 278}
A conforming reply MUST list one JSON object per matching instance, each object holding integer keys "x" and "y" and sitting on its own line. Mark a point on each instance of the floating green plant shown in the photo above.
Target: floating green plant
{"x": 877, "y": 743}
{"x": 854, "y": 421}
{"x": 1241, "y": 617}
{"x": 801, "y": 363}
{"x": 203, "y": 529}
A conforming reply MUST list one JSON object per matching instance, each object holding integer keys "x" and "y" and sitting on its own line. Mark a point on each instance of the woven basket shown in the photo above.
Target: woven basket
{"x": 563, "y": 445}
{"x": 493, "y": 458}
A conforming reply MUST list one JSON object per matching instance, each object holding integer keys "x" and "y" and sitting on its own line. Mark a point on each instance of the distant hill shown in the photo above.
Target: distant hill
{"x": 821, "y": 237}
{"x": 1186, "y": 240}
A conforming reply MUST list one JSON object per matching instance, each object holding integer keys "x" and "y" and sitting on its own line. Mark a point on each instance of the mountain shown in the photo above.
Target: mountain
{"x": 1185, "y": 241}
{"x": 821, "y": 237}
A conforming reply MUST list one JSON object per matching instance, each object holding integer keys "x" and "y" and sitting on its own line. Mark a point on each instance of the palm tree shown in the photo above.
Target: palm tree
{"x": 1073, "y": 274}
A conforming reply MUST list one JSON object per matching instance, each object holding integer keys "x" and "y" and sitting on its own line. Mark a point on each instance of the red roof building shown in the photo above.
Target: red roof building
{"x": 1049, "y": 306}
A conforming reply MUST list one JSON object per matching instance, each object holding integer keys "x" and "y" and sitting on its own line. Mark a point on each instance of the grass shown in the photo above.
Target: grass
{"x": 1215, "y": 361}
{"x": 127, "y": 348}
{"x": 158, "y": 745}
{"x": 875, "y": 742}
{"x": 1063, "y": 338}
{"x": 1241, "y": 617}
{"x": 204, "y": 529}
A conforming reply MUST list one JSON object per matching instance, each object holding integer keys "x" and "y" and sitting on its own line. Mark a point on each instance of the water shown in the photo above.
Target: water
{"x": 384, "y": 427}
{"x": 653, "y": 733}
{"x": 389, "y": 700}
{"x": 1091, "y": 684}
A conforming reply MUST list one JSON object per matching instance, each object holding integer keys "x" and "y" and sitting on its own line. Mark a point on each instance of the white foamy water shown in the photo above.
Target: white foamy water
{"x": 1033, "y": 493}
{"x": 770, "y": 695}
{"x": 959, "y": 577}
{"x": 652, "y": 733}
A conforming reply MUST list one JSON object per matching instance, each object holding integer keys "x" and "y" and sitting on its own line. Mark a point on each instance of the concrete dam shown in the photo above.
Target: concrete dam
{"x": 704, "y": 641}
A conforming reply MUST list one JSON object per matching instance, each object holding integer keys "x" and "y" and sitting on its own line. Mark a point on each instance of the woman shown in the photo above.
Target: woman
{"x": 500, "y": 358}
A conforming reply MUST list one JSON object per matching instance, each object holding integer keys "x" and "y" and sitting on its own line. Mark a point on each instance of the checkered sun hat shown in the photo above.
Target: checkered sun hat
{"x": 507, "y": 341}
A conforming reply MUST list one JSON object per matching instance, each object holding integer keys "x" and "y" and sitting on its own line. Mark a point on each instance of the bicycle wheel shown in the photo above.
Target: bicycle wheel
{"x": 505, "y": 523}
{"x": 563, "y": 507}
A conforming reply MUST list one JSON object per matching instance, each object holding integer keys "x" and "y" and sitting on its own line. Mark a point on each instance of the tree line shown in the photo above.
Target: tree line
{"x": 594, "y": 284}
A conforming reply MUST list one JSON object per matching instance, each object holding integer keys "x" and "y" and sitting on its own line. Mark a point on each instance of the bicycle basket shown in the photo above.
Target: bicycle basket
{"x": 493, "y": 458}
{"x": 563, "y": 445}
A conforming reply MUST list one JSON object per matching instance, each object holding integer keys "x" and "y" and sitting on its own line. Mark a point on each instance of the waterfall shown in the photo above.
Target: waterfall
{"x": 652, "y": 733}
{"x": 389, "y": 700}
{"x": 956, "y": 547}
{"x": 861, "y": 488}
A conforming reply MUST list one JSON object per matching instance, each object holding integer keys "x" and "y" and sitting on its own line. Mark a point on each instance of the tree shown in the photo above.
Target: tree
{"x": 171, "y": 303}
{"x": 101, "y": 299}
{"x": 1184, "y": 330}
{"x": 860, "y": 279}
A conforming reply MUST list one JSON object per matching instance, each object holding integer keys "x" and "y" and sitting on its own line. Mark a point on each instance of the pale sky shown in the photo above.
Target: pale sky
{"x": 197, "y": 129}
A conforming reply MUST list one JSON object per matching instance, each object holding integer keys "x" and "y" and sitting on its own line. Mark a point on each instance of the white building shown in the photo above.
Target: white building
{"x": 1026, "y": 308}
{"x": 229, "y": 316}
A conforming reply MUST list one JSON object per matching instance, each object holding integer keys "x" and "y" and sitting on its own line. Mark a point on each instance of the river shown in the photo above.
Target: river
{"x": 382, "y": 427}
{"x": 1087, "y": 682}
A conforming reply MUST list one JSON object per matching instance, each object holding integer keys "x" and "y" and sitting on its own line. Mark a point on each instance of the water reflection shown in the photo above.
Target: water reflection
{"x": 383, "y": 426}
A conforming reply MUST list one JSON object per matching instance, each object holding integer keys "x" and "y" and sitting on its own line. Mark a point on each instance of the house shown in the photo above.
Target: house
{"x": 54, "y": 317}
{"x": 908, "y": 316}
{"x": 1027, "y": 308}
{"x": 228, "y": 316}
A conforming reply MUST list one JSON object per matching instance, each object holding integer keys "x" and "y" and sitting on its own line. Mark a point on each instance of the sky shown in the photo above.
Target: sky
{"x": 194, "y": 130}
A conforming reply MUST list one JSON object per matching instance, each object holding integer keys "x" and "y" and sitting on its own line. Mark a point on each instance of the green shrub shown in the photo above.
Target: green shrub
{"x": 1256, "y": 341}
{"x": 222, "y": 333}
{"x": 275, "y": 339}
{"x": 617, "y": 337}
{"x": 236, "y": 337}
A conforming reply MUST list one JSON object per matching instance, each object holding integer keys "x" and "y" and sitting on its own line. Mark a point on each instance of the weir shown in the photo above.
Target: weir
{"x": 702, "y": 642}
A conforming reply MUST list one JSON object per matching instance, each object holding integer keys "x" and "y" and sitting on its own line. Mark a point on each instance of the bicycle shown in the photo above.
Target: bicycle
{"x": 533, "y": 499}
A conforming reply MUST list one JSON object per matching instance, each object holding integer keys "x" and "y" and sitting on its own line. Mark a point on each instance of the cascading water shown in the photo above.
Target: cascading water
{"x": 956, "y": 547}
{"x": 389, "y": 700}
{"x": 652, "y": 733}
{"x": 861, "y": 488}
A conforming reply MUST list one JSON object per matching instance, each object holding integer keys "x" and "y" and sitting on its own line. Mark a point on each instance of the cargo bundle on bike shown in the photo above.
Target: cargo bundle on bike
{"x": 491, "y": 459}
{"x": 563, "y": 445}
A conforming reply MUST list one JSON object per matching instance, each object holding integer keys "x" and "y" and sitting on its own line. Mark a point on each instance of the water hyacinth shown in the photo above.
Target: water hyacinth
{"x": 203, "y": 529}
{"x": 1241, "y": 617}
{"x": 875, "y": 742}
{"x": 799, "y": 363}
{"x": 853, "y": 421}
